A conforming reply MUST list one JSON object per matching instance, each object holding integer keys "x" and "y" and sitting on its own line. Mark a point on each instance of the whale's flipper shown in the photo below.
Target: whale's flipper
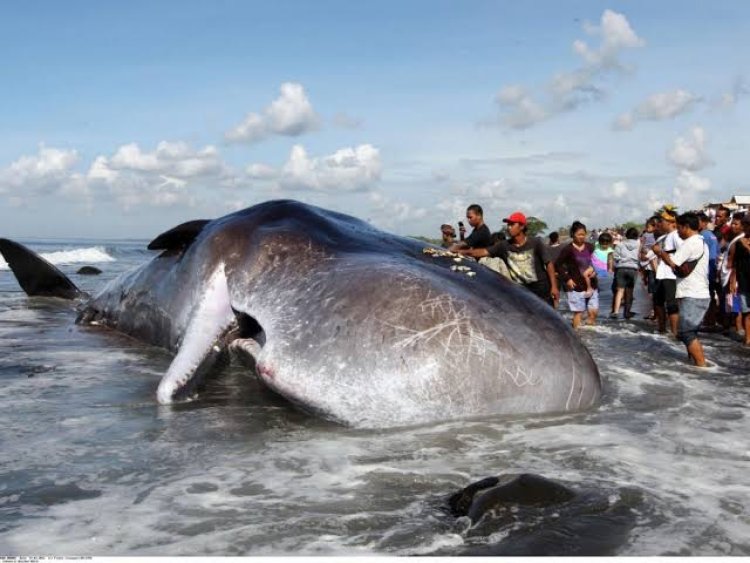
{"x": 180, "y": 237}
{"x": 35, "y": 275}
{"x": 202, "y": 344}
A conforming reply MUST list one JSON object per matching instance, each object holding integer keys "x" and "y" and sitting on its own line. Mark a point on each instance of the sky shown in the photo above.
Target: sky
{"x": 124, "y": 119}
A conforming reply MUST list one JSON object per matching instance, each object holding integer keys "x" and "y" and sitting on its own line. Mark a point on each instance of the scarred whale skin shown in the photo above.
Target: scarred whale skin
{"x": 357, "y": 323}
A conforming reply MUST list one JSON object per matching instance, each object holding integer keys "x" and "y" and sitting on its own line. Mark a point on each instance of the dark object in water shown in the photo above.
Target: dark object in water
{"x": 538, "y": 516}
{"x": 89, "y": 271}
{"x": 35, "y": 275}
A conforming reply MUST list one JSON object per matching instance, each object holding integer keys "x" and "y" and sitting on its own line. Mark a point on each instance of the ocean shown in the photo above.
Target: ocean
{"x": 91, "y": 464}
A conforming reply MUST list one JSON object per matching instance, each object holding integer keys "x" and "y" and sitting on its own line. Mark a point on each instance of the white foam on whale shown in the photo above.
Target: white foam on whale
{"x": 88, "y": 255}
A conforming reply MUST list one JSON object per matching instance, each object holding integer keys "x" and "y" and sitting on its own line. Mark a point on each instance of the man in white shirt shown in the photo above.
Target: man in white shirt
{"x": 692, "y": 288}
{"x": 665, "y": 300}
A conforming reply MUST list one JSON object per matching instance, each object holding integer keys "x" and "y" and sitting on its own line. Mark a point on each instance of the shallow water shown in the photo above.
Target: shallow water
{"x": 91, "y": 464}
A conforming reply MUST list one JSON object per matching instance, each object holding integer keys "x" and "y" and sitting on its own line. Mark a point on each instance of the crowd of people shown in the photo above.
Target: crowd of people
{"x": 695, "y": 268}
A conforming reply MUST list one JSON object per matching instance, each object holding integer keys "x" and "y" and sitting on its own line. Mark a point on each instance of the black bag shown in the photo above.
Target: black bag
{"x": 687, "y": 267}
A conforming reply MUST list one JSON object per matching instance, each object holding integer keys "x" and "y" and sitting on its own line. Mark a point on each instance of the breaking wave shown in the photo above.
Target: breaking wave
{"x": 90, "y": 255}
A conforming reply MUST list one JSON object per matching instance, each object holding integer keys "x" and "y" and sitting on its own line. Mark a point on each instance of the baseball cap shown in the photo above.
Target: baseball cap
{"x": 516, "y": 217}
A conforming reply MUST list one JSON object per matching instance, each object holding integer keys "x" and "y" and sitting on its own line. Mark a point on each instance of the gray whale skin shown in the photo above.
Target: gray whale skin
{"x": 341, "y": 318}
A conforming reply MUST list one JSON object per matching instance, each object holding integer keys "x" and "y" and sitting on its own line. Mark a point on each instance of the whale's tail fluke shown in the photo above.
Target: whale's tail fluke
{"x": 35, "y": 275}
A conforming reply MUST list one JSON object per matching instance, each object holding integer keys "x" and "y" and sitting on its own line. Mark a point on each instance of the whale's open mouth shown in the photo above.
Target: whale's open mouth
{"x": 247, "y": 339}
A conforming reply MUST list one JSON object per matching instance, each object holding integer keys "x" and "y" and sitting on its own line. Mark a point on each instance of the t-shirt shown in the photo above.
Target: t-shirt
{"x": 647, "y": 241}
{"x": 600, "y": 259}
{"x": 481, "y": 237}
{"x": 571, "y": 264}
{"x": 713, "y": 245}
{"x": 526, "y": 263}
{"x": 554, "y": 251}
{"x": 696, "y": 284}
{"x": 725, "y": 270}
{"x": 668, "y": 243}
{"x": 741, "y": 267}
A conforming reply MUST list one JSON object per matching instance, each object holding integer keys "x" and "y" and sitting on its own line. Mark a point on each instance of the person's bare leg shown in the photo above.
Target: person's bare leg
{"x": 673, "y": 320}
{"x": 576, "y": 320}
{"x": 747, "y": 329}
{"x": 592, "y": 317}
{"x": 661, "y": 318}
{"x": 628, "y": 302}
{"x": 695, "y": 351}
{"x": 616, "y": 303}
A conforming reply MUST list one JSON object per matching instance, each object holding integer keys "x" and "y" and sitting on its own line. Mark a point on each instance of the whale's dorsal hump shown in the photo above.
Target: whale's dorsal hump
{"x": 35, "y": 275}
{"x": 180, "y": 237}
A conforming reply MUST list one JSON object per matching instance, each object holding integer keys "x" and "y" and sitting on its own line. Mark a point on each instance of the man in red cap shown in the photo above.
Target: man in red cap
{"x": 527, "y": 259}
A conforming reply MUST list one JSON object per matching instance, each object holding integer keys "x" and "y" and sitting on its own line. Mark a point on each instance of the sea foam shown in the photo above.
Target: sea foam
{"x": 89, "y": 255}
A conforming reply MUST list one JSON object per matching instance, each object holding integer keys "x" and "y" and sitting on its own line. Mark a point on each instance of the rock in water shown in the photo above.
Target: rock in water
{"x": 89, "y": 271}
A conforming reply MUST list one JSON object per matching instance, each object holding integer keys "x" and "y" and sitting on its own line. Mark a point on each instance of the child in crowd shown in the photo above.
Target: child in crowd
{"x": 626, "y": 256}
{"x": 603, "y": 260}
{"x": 647, "y": 240}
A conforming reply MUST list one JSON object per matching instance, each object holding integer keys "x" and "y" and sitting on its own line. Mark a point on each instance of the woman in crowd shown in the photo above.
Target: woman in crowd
{"x": 574, "y": 266}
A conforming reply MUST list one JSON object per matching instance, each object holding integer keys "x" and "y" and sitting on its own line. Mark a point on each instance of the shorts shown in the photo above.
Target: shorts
{"x": 692, "y": 311}
{"x": 651, "y": 281}
{"x": 577, "y": 303}
{"x": 625, "y": 277}
{"x": 664, "y": 296}
{"x": 744, "y": 301}
{"x": 541, "y": 290}
{"x": 733, "y": 303}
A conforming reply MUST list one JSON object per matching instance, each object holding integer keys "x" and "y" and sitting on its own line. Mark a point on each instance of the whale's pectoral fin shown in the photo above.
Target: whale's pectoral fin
{"x": 202, "y": 343}
{"x": 35, "y": 275}
{"x": 180, "y": 237}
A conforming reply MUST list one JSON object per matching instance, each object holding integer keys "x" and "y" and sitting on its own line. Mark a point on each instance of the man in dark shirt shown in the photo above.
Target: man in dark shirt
{"x": 553, "y": 251}
{"x": 527, "y": 259}
{"x": 480, "y": 237}
{"x": 739, "y": 280}
{"x": 721, "y": 222}
{"x": 721, "y": 229}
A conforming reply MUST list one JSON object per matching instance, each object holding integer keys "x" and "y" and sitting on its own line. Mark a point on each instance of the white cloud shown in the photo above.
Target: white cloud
{"x": 348, "y": 169}
{"x": 389, "y": 213}
{"x": 616, "y": 34}
{"x": 731, "y": 98}
{"x": 689, "y": 155}
{"x": 689, "y": 152}
{"x": 524, "y": 111}
{"x": 291, "y": 114}
{"x": 619, "y": 189}
{"x": 658, "y": 107}
{"x": 493, "y": 189}
{"x": 568, "y": 90}
{"x": 50, "y": 172}
{"x": 688, "y": 189}
{"x": 260, "y": 171}
{"x": 174, "y": 159}
{"x": 160, "y": 178}
{"x": 43, "y": 172}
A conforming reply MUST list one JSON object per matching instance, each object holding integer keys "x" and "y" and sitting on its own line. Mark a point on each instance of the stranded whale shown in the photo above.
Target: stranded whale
{"x": 341, "y": 318}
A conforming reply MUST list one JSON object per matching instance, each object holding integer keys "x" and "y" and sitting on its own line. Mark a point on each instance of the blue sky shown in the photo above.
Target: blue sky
{"x": 123, "y": 119}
